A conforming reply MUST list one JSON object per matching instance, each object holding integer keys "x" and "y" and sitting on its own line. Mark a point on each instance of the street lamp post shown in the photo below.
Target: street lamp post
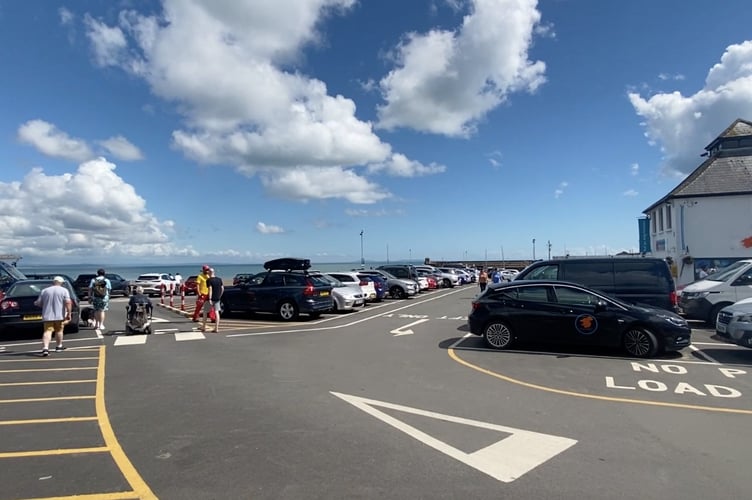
{"x": 549, "y": 249}
{"x": 410, "y": 252}
{"x": 533, "y": 248}
{"x": 362, "y": 260}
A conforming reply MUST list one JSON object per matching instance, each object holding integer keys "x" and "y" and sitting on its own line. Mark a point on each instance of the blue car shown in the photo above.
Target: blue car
{"x": 378, "y": 282}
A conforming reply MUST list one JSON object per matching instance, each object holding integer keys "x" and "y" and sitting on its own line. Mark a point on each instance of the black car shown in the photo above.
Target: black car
{"x": 285, "y": 289}
{"x": 636, "y": 280}
{"x": 49, "y": 277}
{"x": 9, "y": 274}
{"x": 119, "y": 284}
{"x": 17, "y": 309}
{"x": 566, "y": 313}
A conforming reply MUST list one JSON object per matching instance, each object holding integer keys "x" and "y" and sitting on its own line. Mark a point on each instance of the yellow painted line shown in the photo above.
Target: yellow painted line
{"x": 47, "y": 453}
{"x": 120, "y": 495}
{"x": 454, "y": 356}
{"x": 47, "y": 420}
{"x": 36, "y": 400}
{"x": 47, "y": 360}
{"x": 48, "y": 382}
{"x": 130, "y": 473}
{"x": 50, "y": 369}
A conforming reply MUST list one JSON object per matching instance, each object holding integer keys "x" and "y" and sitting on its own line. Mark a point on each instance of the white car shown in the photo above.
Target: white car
{"x": 346, "y": 298}
{"x": 509, "y": 274}
{"x": 155, "y": 283}
{"x": 351, "y": 278}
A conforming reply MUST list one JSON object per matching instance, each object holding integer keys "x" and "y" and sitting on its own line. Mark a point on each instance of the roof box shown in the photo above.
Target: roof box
{"x": 287, "y": 264}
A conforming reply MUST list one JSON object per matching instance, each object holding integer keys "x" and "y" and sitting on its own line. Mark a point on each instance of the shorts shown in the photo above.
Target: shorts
{"x": 209, "y": 304}
{"x": 55, "y": 326}
{"x": 100, "y": 303}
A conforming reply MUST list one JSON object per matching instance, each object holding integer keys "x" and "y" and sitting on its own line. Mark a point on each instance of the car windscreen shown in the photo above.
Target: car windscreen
{"x": 148, "y": 277}
{"x": 727, "y": 272}
{"x": 387, "y": 275}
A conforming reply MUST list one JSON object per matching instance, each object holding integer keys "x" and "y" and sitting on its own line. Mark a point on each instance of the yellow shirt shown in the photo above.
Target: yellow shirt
{"x": 201, "y": 284}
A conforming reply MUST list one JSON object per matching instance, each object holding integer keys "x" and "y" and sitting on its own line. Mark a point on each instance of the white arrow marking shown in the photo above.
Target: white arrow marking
{"x": 405, "y": 330}
{"x": 506, "y": 460}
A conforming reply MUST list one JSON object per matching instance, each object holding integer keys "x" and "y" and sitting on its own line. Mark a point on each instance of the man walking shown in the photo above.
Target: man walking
{"x": 56, "y": 307}
{"x": 202, "y": 291}
{"x": 483, "y": 279}
{"x": 99, "y": 295}
{"x": 216, "y": 289}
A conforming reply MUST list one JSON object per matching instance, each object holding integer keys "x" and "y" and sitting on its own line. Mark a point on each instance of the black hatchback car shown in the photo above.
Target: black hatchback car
{"x": 559, "y": 312}
{"x": 285, "y": 289}
{"x": 119, "y": 284}
{"x": 17, "y": 309}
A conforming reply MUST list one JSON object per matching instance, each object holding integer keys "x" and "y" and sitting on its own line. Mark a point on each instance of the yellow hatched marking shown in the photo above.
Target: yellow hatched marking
{"x": 85, "y": 358}
{"x": 35, "y": 400}
{"x": 49, "y": 382}
{"x": 47, "y": 420}
{"x": 46, "y": 453}
{"x": 120, "y": 495}
{"x": 50, "y": 369}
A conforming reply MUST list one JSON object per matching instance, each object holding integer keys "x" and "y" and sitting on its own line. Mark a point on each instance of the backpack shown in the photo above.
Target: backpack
{"x": 99, "y": 289}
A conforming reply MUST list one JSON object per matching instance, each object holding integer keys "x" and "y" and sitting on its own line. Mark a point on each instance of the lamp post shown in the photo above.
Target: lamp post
{"x": 549, "y": 249}
{"x": 533, "y": 248}
{"x": 362, "y": 260}
{"x": 410, "y": 252}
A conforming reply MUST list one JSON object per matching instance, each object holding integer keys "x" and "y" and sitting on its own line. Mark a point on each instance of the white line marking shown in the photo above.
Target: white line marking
{"x": 132, "y": 340}
{"x": 180, "y": 336}
{"x": 702, "y": 354}
{"x": 405, "y": 330}
{"x": 39, "y": 342}
{"x": 506, "y": 460}
{"x": 347, "y": 325}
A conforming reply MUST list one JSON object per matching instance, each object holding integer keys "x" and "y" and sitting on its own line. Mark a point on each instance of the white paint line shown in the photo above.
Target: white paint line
{"x": 405, "y": 330}
{"x": 180, "y": 336}
{"x": 706, "y": 356}
{"x": 347, "y": 325}
{"x": 718, "y": 344}
{"x": 39, "y": 342}
{"x": 505, "y": 460}
{"x": 131, "y": 340}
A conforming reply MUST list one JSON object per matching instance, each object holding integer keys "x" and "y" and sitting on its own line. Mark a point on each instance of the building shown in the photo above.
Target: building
{"x": 705, "y": 222}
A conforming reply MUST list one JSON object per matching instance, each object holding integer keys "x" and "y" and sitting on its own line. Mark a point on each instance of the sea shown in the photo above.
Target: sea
{"x": 224, "y": 271}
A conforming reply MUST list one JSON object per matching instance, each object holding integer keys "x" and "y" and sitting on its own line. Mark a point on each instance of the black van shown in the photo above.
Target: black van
{"x": 644, "y": 280}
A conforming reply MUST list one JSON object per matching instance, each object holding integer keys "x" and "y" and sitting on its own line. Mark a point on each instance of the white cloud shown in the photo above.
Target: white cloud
{"x": 206, "y": 55}
{"x": 666, "y": 76}
{"x": 51, "y": 141}
{"x": 634, "y": 169}
{"x": 683, "y": 125}
{"x": 90, "y": 213}
{"x": 362, "y": 212}
{"x": 401, "y": 166}
{"x": 630, "y": 193}
{"x": 66, "y": 16}
{"x": 446, "y": 81}
{"x": 121, "y": 148}
{"x": 560, "y": 190}
{"x": 268, "y": 228}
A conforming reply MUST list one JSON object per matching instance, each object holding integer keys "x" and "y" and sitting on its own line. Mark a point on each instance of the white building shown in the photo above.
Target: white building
{"x": 706, "y": 221}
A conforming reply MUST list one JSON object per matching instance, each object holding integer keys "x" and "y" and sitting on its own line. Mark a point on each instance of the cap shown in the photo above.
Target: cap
{"x": 205, "y": 268}
{"x": 58, "y": 279}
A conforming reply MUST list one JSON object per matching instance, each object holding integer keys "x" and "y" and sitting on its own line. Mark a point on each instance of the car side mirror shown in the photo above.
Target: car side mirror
{"x": 601, "y": 305}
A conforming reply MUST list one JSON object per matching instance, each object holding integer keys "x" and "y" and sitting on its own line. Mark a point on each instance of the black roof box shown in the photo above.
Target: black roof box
{"x": 287, "y": 264}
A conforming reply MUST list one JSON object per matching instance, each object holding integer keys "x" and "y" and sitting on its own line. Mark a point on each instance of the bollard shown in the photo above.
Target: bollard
{"x": 161, "y": 294}
{"x": 182, "y": 298}
{"x": 172, "y": 294}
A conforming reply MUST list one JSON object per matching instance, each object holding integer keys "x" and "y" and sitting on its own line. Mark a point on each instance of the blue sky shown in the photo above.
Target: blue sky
{"x": 238, "y": 131}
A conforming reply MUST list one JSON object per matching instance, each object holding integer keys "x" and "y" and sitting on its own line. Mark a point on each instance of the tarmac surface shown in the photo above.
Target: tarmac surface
{"x": 394, "y": 400}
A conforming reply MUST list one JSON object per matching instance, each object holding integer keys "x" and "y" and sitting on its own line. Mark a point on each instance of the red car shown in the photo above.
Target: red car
{"x": 190, "y": 285}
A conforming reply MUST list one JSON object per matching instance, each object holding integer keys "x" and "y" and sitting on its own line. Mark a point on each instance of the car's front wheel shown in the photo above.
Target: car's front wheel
{"x": 397, "y": 292}
{"x": 498, "y": 335}
{"x": 287, "y": 310}
{"x": 640, "y": 343}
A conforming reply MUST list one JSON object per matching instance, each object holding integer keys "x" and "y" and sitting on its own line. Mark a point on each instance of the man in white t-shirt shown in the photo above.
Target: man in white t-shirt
{"x": 56, "y": 307}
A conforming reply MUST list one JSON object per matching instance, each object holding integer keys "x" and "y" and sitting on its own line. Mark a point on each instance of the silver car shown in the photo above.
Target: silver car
{"x": 735, "y": 323}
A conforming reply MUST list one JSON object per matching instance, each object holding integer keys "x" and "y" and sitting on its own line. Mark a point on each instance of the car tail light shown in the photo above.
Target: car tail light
{"x": 363, "y": 283}
{"x": 475, "y": 305}
{"x": 8, "y": 304}
{"x": 674, "y": 299}
{"x": 309, "y": 291}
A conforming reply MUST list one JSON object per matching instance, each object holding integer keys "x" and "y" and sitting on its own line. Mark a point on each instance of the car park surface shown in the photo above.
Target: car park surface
{"x": 398, "y": 400}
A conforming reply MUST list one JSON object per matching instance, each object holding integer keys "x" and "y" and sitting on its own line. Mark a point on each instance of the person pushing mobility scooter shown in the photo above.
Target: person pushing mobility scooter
{"x": 138, "y": 313}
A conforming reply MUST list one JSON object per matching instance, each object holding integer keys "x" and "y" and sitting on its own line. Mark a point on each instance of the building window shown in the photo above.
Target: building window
{"x": 660, "y": 219}
{"x": 653, "y": 218}
{"x": 668, "y": 217}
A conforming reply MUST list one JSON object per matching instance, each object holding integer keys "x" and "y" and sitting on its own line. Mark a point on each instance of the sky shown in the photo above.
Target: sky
{"x": 237, "y": 131}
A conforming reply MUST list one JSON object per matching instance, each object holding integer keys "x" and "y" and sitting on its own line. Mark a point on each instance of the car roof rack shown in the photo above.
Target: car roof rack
{"x": 287, "y": 264}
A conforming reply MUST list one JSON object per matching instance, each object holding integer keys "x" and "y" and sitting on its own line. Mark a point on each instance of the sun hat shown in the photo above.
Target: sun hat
{"x": 58, "y": 279}
{"x": 205, "y": 268}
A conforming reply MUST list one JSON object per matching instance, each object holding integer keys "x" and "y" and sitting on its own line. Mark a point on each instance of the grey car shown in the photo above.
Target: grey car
{"x": 397, "y": 288}
{"x": 734, "y": 322}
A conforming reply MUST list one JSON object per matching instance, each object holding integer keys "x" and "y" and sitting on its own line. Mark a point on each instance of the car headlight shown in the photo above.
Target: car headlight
{"x": 674, "y": 320}
{"x": 744, "y": 318}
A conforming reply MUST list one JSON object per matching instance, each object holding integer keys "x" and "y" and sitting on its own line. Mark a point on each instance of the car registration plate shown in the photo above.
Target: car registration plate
{"x": 720, "y": 327}
{"x": 324, "y": 294}
{"x": 32, "y": 317}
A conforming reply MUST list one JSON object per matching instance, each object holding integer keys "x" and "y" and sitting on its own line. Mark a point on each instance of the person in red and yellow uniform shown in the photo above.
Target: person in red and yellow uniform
{"x": 202, "y": 291}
